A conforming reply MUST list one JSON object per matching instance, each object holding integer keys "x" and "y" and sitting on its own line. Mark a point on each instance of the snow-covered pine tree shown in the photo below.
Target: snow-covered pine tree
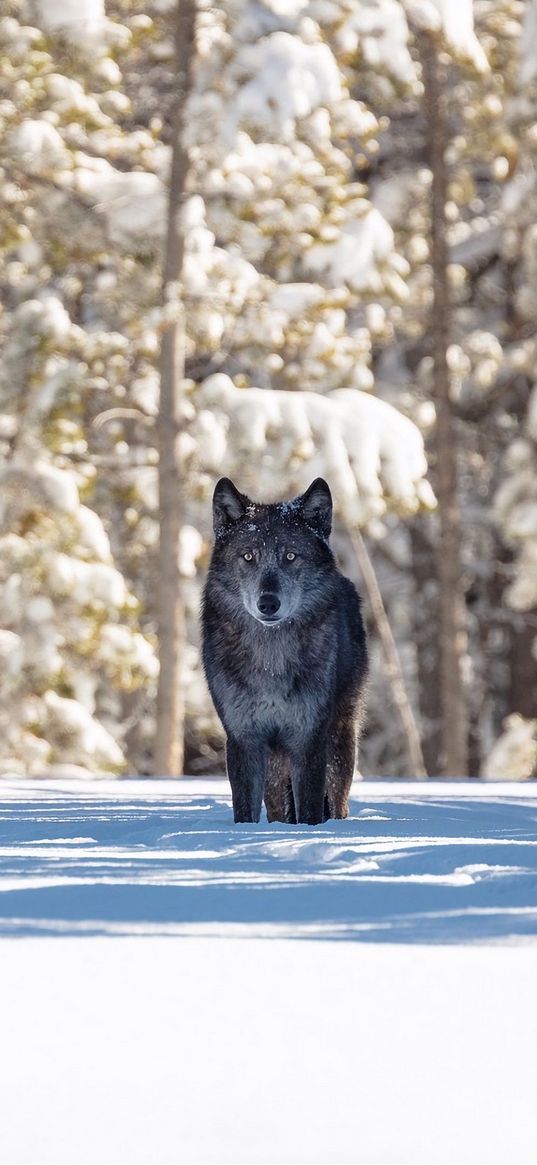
{"x": 490, "y": 365}
{"x": 72, "y": 640}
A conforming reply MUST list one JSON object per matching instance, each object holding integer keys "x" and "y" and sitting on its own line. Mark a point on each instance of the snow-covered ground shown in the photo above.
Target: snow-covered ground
{"x": 175, "y": 988}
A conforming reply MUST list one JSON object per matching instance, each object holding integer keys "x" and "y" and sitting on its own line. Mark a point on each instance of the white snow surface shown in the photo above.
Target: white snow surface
{"x": 528, "y": 60}
{"x": 175, "y": 988}
{"x": 312, "y": 81}
{"x": 457, "y": 23}
{"x": 71, "y": 16}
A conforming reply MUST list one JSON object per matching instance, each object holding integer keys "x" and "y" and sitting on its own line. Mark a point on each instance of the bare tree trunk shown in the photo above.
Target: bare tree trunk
{"x": 394, "y": 672}
{"x": 169, "y": 750}
{"x": 449, "y": 568}
{"x": 425, "y": 635}
{"x": 522, "y": 665}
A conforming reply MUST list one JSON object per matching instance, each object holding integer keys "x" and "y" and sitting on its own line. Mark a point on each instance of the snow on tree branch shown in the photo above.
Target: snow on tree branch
{"x": 277, "y": 442}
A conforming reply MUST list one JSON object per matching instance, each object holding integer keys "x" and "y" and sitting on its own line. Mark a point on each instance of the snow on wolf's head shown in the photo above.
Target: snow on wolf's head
{"x": 274, "y": 560}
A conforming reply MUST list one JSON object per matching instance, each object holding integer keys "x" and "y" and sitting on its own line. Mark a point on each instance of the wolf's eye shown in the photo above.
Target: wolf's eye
{"x": 290, "y": 556}
{"x": 248, "y": 557}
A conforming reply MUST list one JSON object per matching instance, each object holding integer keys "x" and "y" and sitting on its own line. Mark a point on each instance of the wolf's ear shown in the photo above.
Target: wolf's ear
{"x": 228, "y": 504}
{"x": 316, "y": 506}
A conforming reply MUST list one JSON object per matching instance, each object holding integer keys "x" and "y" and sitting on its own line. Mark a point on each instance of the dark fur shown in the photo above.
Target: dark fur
{"x": 288, "y": 683}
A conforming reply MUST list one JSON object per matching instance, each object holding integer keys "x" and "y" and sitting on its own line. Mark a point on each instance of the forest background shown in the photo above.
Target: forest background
{"x": 271, "y": 239}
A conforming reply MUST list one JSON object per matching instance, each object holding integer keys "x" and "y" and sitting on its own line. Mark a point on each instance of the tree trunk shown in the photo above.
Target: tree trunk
{"x": 425, "y": 633}
{"x": 449, "y": 563}
{"x": 169, "y": 750}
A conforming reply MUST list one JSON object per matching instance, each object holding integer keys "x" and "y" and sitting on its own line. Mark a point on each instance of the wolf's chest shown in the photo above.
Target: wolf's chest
{"x": 272, "y": 704}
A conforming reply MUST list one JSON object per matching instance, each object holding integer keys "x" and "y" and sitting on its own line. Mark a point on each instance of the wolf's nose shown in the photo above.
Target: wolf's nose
{"x": 268, "y": 604}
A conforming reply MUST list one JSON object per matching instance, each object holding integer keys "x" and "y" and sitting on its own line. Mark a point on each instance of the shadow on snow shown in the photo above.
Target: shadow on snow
{"x": 409, "y": 869}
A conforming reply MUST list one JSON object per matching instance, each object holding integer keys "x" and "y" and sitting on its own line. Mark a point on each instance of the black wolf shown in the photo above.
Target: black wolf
{"x": 285, "y": 655}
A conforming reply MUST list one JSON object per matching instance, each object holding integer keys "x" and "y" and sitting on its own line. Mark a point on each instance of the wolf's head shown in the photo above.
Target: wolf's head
{"x": 274, "y": 559}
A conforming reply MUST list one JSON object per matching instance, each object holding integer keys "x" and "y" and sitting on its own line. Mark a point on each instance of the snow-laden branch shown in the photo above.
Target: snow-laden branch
{"x": 275, "y": 443}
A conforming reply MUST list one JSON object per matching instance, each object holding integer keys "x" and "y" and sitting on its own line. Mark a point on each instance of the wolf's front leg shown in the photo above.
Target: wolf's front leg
{"x": 308, "y": 780}
{"x": 246, "y": 762}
